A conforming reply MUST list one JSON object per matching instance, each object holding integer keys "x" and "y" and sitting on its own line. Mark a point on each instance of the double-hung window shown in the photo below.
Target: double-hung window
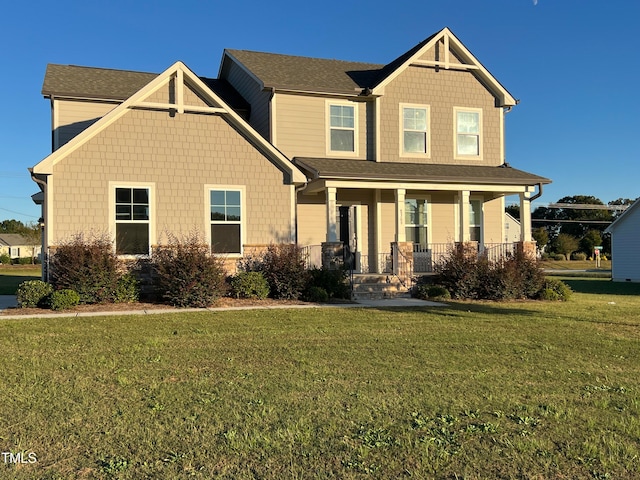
{"x": 132, "y": 220}
{"x": 415, "y": 124}
{"x": 468, "y": 136}
{"x": 475, "y": 220}
{"x": 226, "y": 220}
{"x": 416, "y": 225}
{"x": 342, "y": 128}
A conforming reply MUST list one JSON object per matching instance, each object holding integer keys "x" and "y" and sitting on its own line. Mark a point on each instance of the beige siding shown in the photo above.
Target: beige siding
{"x": 252, "y": 93}
{"x": 180, "y": 155}
{"x": 441, "y": 90}
{"x": 74, "y": 116}
{"x": 443, "y": 217}
{"x": 493, "y": 216}
{"x": 312, "y": 219}
{"x": 302, "y": 126}
{"x": 388, "y": 220}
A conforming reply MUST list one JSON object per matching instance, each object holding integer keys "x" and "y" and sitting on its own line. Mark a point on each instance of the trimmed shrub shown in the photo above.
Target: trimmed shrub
{"x": 5, "y": 259}
{"x": 438, "y": 292}
{"x": 283, "y": 267}
{"x": 559, "y": 257}
{"x": 554, "y": 290}
{"x": 127, "y": 289}
{"x": 63, "y": 299}
{"x": 33, "y": 293}
{"x": 25, "y": 261}
{"x": 249, "y": 285}
{"x": 186, "y": 274}
{"x": 88, "y": 266}
{"x": 316, "y": 294}
{"x": 333, "y": 282}
{"x": 578, "y": 256}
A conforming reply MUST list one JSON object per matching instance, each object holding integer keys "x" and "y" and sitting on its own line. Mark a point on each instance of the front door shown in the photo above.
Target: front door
{"x": 347, "y": 231}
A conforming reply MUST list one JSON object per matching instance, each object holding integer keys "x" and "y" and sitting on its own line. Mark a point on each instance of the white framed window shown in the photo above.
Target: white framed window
{"x": 416, "y": 222}
{"x": 468, "y": 132}
{"x": 226, "y": 217}
{"x": 14, "y": 252}
{"x": 342, "y": 128}
{"x": 131, "y": 210}
{"x": 415, "y": 127}
{"x": 475, "y": 220}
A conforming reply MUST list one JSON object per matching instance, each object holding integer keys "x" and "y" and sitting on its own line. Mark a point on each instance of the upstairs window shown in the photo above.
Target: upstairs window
{"x": 415, "y": 121}
{"x": 342, "y": 128}
{"x": 226, "y": 221}
{"x": 468, "y": 133}
{"x": 132, "y": 221}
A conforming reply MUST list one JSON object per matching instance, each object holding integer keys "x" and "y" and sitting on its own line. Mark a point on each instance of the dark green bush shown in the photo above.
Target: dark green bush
{"x": 5, "y": 259}
{"x": 25, "y": 261}
{"x": 249, "y": 285}
{"x": 88, "y": 266}
{"x": 283, "y": 267}
{"x": 316, "y": 294}
{"x": 186, "y": 274}
{"x": 554, "y": 290}
{"x": 578, "y": 256}
{"x": 127, "y": 289}
{"x": 333, "y": 282}
{"x": 33, "y": 293}
{"x": 63, "y": 299}
{"x": 438, "y": 292}
{"x": 558, "y": 256}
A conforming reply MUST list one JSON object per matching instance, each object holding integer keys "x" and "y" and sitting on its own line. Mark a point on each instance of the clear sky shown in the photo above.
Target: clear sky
{"x": 573, "y": 64}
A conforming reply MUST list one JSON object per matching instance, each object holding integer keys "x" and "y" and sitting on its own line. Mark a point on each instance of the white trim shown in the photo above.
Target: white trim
{"x": 273, "y": 133}
{"x": 328, "y": 128}
{"x": 400, "y": 195}
{"x": 427, "y": 153}
{"x": 55, "y": 123}
{"x": 151, "y": 186}
{"x": 243, "y": 214}
{"x": 378, "y": 141}
{"x": 478, "y": 198}
{"x": 479, "y": 111}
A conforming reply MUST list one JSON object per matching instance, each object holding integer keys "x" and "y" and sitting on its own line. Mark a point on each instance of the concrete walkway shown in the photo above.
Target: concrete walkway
{"x": 9, "y": 301}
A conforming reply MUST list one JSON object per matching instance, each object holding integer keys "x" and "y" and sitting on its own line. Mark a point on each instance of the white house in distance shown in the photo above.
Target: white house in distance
{"x": 625, "y": 245}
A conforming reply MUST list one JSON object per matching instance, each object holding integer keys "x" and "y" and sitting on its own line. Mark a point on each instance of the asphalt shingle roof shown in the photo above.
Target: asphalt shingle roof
{"x": 415, "y": 172}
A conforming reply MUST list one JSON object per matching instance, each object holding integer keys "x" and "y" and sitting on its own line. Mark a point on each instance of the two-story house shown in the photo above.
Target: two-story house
{"x": 389, "y": 161}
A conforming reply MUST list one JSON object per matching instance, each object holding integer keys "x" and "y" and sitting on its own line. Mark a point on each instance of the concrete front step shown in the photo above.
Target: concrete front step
{"x": 375, "y": 287}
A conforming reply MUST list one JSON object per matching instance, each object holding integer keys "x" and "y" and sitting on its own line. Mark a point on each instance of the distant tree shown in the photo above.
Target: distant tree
{"x": 622, "y": 202}
{"x": 591, "y": 239}
{"x": 573, "y": 221}
{"x": 513, "y": 210}
{"x": 11, "y": 226}
{"x": 541, "y": 237}
{"x": 565, "y": 244}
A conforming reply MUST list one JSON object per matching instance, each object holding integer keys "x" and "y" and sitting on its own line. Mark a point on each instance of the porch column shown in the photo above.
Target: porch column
{"x": 465, "y": 209}
{"x": 377, "y": 209}
{"x": 332, "y": 234}
{"x": 400, "y": 231}
{"x": 525, "y": 217}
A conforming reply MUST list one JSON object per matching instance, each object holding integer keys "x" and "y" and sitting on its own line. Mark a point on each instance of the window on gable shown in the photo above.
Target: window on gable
{"x": 132, "y": 221}
{"x": 226, "y": 221}
{"x": 342, "y": 128}
{"x": 468, "y": 128}
{"x": 414, "y": 130}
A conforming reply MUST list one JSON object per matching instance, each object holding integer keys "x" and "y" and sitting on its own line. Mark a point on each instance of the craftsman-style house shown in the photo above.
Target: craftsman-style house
{"x": 389, "y": 163}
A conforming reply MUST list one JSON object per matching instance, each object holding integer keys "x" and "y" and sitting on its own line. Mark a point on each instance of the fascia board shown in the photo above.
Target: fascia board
{"x": 622, "y": 217}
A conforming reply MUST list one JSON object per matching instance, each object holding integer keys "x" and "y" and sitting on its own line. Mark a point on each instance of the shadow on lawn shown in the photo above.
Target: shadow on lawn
{"x": 602, "y": 286}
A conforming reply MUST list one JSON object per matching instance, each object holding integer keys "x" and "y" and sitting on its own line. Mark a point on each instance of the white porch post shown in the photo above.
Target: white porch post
{"x": 332, "y": 234}
{"x": 377, "y": 209}
{"x": 400, "y": 230}
{"x": 525, "y": 217}
{"x": 463, "y": 198}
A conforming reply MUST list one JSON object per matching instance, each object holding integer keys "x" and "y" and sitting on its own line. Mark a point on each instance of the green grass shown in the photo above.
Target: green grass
{"x": 475, "y": 390}
{"x": 605, "y": 265}
{"x": 12, "y": 276}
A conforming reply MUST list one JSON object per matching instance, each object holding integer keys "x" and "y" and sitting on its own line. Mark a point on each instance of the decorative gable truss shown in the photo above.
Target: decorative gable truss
{"x": 178, "y": 91}
{"x": 444, "y": 50}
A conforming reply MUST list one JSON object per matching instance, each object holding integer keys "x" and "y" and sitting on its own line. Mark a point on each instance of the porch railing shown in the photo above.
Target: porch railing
{"x": 381, "y": 263}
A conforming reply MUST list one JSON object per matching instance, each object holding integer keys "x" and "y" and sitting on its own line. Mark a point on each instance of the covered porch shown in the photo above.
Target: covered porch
{"x": 394, "y": 217}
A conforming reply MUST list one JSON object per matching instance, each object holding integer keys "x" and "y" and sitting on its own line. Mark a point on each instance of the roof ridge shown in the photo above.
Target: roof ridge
{"x": 101, "y": 68}
{"x": 307, "y": 57}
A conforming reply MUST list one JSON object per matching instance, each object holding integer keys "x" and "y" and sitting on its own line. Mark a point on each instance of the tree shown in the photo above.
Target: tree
{"x": 541, "y": 237}
{"x": 513, "y": 210}
{"x": 574, "y": 221}
{"x": 565, "y": 244}
{"x": 33, "y": 236}
{"x": 11, "y": 226}
{"x": 591, "y": 239}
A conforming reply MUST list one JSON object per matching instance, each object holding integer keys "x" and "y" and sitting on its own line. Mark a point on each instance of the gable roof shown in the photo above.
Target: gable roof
{"x": 73, "y": 81}
{"x": 12, "y": 239}
{"x": 318, "y": 75}
{"x": 623, "y": 216}
{"x": 182, "y": 76}
{"x": 318, "y": 168}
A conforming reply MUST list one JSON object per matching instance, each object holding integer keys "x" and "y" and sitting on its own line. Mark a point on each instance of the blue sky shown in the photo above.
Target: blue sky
{"x": 572, "y": 64}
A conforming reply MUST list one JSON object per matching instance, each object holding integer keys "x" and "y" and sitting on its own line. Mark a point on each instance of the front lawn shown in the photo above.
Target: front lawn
{"x": 13, "y": 275}
{"x": 474, "y": 390}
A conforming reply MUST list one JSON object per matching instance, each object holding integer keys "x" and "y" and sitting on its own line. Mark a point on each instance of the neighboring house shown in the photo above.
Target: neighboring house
{"x": 17, "y": 246}
{"x": 625, "y": 245}
{"x": 388, "y": 161}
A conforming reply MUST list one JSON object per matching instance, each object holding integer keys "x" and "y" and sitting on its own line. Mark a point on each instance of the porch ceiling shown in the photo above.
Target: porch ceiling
{"x": 336, "y": 168}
